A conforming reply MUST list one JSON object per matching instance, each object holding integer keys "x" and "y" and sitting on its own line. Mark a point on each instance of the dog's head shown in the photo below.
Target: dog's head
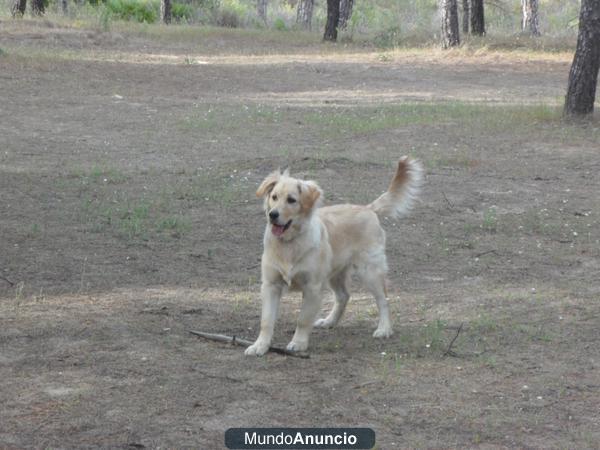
{"x": 289, "y": 203}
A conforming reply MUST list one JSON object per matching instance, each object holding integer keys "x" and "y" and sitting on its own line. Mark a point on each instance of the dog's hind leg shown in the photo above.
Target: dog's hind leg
{"x": 339, "y": 284}
{"x": 373, "y": 276}
{"x": 384, "y": 328}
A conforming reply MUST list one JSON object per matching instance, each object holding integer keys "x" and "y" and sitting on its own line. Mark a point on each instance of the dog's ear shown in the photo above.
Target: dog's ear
{"x": 268, "y": 184}
{"x": 310, "y": 195}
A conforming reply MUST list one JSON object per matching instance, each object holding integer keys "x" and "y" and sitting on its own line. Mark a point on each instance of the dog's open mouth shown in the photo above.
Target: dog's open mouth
{"x": 278, "y": 230}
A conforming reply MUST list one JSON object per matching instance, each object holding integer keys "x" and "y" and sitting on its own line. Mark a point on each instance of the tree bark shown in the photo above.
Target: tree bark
{"x": 477, "y": 18}
{"x": 64, "y": 7}
{"x": 345, "y": 13}
{"x": 466, "y": 16}
{"x": 37, "y": 7}
{"x": 583, "y": 77}
{"x": 449, "y": 11}
{"x": 333, "y": 19}
{"x": 529, "y": 18}
{"x": 261, "y": 9}
{"x": 165, "y": 11}
{"x": 18, "y": 8}
{"x": 304, "y": 13}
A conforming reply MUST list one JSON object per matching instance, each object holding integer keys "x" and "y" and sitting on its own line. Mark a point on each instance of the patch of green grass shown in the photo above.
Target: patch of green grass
{"x": 487, "y": 360}
{"x": 261, "y": 40}
{"x": 34, "y": 230}
{"x": 536, "y": 332}
{"x": 484, "y": 324}
{"x": 348, "y": 122}
{"x": 132, "y": 221}
{"x": 218, "y": 119}
{"x": 279, "y": 24}
{"x": 430, "y": 339}
{"x": 450, "y": 158}
{"x": 490, "y": 220}
{"x": 533, "y": 221}
{"x": 98, "y": 174}
{"x": 145, "y": 11}
{"x": 131, "y": 218}
{"x": 215, "y": 188}
{"x": 176, "y": 225}
{"x": 359, "y": 121}
{"x": 158, "y": 214}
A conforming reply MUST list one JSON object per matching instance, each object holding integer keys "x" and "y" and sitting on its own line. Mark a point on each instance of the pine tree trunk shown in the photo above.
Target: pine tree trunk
{"x": 304, "y": 14}
{"x": 345, "y": 13}
{"x": 583, "y": 77}
{"x": 333, "y": 19}
{"x": 37, "y": 7}
{"x": 466, "y": 16}
{"x": 449, "y": 10}
{"x": 261, "y": 9}
{"x": 165, "y": 11}
{"x": 64, "y": 7}
{"x": 529, "y": 19}
{"x": 18, "y": 8}
{"x": 477, "y": 18}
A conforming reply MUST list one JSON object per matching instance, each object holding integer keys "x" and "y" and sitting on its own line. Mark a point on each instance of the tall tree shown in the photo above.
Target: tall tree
{"x": 37, "y": 7}
{"x": 333, "y": 19}
{"x": 261, "y": 9}
{"x": 529, "y": 17}
{"x": 449, "y": 12}
{"x": 165, "y": 11}
{"x": 466, "y": 16}
{"x": 18, "y": 8}
{"x": 345, "y": 13}
{"x": 304, "y": 13}
{"x": 64, "y": 7}
{"x": 477, "y": 18}
{"x": 583, "y": 77}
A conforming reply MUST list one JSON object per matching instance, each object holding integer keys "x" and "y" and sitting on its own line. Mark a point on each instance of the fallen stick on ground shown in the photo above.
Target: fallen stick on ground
{"x": 449, "y": 351}
{"x": 7, "y": 280}
{"x": 244, "y": 343}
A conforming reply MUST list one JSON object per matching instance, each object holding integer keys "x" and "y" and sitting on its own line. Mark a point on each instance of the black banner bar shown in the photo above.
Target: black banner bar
{"x": 300, "y": 438}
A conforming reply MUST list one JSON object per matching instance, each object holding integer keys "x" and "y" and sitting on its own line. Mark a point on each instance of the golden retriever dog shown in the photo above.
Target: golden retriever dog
{"x": 309, "y": 248}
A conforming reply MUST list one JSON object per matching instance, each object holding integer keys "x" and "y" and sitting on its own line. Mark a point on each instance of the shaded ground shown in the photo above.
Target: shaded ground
{"x": 128, "y": 165}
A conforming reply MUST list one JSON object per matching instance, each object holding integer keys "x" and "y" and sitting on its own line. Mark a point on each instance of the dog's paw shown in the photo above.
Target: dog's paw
{"x": 323, "y": 323}
{"x": 381, "y": 333}
{"x": 297, "y": 346}
{"x": 257, "y": 349}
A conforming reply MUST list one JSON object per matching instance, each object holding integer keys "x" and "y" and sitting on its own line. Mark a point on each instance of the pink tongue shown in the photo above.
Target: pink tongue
{"x": 277, "y": 230}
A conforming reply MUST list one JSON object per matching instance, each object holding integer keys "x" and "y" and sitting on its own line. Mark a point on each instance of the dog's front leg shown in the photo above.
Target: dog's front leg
{"x": 311, "y": 306}
{"x": 271, "y": 295}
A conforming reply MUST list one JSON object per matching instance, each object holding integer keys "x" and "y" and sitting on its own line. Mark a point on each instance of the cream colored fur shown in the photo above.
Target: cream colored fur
{"x": 309, "y": 248}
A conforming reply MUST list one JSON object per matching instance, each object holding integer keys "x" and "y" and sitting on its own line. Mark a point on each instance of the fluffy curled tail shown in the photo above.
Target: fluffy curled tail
{"x": 403, "y": 190}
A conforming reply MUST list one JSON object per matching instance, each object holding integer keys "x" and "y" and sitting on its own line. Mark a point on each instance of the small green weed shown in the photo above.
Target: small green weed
{"x": 490, "y": 220}
{"x": 132, "y": 222}
{"x": 34, "y": 231}
{"x": 177, "y": 225}
{"x": 279, "y": 24}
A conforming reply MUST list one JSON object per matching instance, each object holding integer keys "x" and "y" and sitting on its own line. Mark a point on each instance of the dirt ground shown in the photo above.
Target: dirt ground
{"x": 128, "y": 165}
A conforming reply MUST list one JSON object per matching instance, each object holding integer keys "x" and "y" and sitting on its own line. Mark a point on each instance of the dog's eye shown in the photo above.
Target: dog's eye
{"x": 291, "y": 200}
{"x": 274, "y": 198}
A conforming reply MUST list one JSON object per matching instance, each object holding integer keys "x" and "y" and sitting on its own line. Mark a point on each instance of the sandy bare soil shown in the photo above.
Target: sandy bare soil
{"x": 128, "y": 165}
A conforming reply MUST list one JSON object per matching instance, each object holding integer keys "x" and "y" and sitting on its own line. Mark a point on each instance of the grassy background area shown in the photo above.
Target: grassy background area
{"x": 381, "y": 23}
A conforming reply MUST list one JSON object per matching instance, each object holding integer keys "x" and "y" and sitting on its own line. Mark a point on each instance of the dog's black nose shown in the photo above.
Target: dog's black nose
{"x": 274, "y": 215}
